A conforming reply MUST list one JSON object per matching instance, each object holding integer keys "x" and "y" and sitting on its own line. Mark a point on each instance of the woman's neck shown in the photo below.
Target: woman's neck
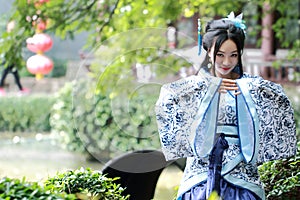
{"x": 228, "y": 76}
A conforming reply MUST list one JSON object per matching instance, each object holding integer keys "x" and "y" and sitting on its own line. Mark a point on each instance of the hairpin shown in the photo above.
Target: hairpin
{"x": 199, "y": 37}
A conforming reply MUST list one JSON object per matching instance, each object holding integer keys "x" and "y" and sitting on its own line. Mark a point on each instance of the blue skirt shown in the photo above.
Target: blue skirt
{"x": 227, "y": 192}
{"x": 215, "y": 181}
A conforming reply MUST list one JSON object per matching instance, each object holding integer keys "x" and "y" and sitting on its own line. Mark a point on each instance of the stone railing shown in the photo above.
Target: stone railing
{"x": 284, "y": 71}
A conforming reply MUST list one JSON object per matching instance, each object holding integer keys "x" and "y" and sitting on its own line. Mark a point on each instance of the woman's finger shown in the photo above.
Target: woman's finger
{"x": 230, "y": 87}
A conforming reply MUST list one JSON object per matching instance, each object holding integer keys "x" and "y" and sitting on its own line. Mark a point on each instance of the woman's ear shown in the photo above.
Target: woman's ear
{"x": 210, "y": 54}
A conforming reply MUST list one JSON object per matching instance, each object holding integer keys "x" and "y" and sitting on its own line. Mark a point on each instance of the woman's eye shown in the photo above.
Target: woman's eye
{"x": 234, "y": 55}
{"x": 220, "y": 55}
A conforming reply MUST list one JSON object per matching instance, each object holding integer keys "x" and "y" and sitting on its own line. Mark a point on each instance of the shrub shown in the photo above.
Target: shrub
{"x": 281, "y": 178}
{"x": 20, "y": 189}
{"x": 83, "y": 119}
{"x": 86, "y": 184}
{"x": 76, "y": 184}
{"x": 25, "y": 114}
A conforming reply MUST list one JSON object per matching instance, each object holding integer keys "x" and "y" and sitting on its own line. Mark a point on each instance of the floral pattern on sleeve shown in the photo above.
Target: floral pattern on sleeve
{"x": 175, "y": 110}
{"x": 277, "y": 129}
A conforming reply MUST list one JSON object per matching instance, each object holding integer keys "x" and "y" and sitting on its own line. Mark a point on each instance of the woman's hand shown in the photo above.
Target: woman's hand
{"x": 229, "y": 85}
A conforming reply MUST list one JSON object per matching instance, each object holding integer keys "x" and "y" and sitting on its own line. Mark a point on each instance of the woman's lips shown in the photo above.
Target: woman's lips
{"x": 226, "y": 68}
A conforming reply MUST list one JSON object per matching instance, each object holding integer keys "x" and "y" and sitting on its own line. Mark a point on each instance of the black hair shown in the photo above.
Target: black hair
{"x": 218, "y": 31}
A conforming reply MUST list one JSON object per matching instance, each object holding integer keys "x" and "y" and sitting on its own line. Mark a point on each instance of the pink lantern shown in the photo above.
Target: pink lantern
{"x": 38, "y": 3}
{"x": 40, "y": 42}
{"x": 40, "y": 25}
{"x": 39, "y": 65}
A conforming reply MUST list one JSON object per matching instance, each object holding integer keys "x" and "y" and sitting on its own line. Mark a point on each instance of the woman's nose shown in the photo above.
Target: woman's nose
{"x": 226, "y": 61}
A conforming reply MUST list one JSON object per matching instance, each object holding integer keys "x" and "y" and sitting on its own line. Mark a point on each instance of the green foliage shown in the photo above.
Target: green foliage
{"x": 286, "y": 28}
{"x": 26, "y": 113}
{"x": 75, "y": 184}
{"x": 134, "y": 30}
{"x": 287, "y": 23}
{"x": 104, "y": 125}
{"x": 116, "y": 70}
{"x": 104, "y": 19}
{"x": 92, "y": 184}
{"x": 12, "y": 42}
{"x": 21, "y": 189}
{"x": 61, "y": 119}
{"x": 281, "y": 178}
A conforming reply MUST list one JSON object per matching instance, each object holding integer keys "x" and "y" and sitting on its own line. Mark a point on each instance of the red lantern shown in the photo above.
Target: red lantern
{"x": 39, "y": 65}
{"x": 40, "y": 42}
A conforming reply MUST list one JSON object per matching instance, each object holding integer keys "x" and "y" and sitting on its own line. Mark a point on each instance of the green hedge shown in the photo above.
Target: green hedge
{"x": 86, "y": 184}
{"x": 21, "y": 189}
{"x": 102, "y": 126}
{"x": 25, "y": 113}
{"x": 281, "y": 178}
{"x": 75, "y": 184}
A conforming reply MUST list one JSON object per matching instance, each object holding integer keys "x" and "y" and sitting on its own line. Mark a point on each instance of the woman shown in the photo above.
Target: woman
{"x": 225, "y": 122}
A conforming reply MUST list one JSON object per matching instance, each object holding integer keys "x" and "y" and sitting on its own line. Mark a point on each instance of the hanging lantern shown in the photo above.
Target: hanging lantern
{"x": 39, "y": 24}
{"x": 44, "y": 1}
{"x": 38, "y": 3}
{"x": 40, "y": 42}
{"x": 39, "y": 65}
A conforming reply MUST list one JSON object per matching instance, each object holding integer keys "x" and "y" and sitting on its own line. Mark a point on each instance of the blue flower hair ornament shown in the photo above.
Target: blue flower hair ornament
{"x": 237, "y": 21}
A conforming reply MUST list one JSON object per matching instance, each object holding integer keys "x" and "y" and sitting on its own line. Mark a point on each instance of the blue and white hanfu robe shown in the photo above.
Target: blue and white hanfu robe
{"x": 191, "y": 111}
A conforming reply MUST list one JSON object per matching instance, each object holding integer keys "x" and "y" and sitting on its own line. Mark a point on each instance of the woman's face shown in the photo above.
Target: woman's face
{"x": 226, "y": 59}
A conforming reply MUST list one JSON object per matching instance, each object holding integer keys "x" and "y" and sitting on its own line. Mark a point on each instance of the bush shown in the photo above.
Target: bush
{"x": 77, "y": 184}
{"x": 25, "y": 114}
{"x": 86, "y": 184}
{"x": 281, "y": 178}
{"x": 86, "y": 121}
{"x": 20, "y": 189}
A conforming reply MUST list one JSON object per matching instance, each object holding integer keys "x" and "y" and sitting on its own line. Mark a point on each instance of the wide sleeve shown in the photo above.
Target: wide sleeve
{"x": 277, "y": 128}
{"x": 176, "y": 109}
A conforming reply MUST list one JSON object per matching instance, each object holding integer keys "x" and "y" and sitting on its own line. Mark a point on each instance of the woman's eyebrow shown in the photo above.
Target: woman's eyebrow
{"x": 235, "y": 51}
